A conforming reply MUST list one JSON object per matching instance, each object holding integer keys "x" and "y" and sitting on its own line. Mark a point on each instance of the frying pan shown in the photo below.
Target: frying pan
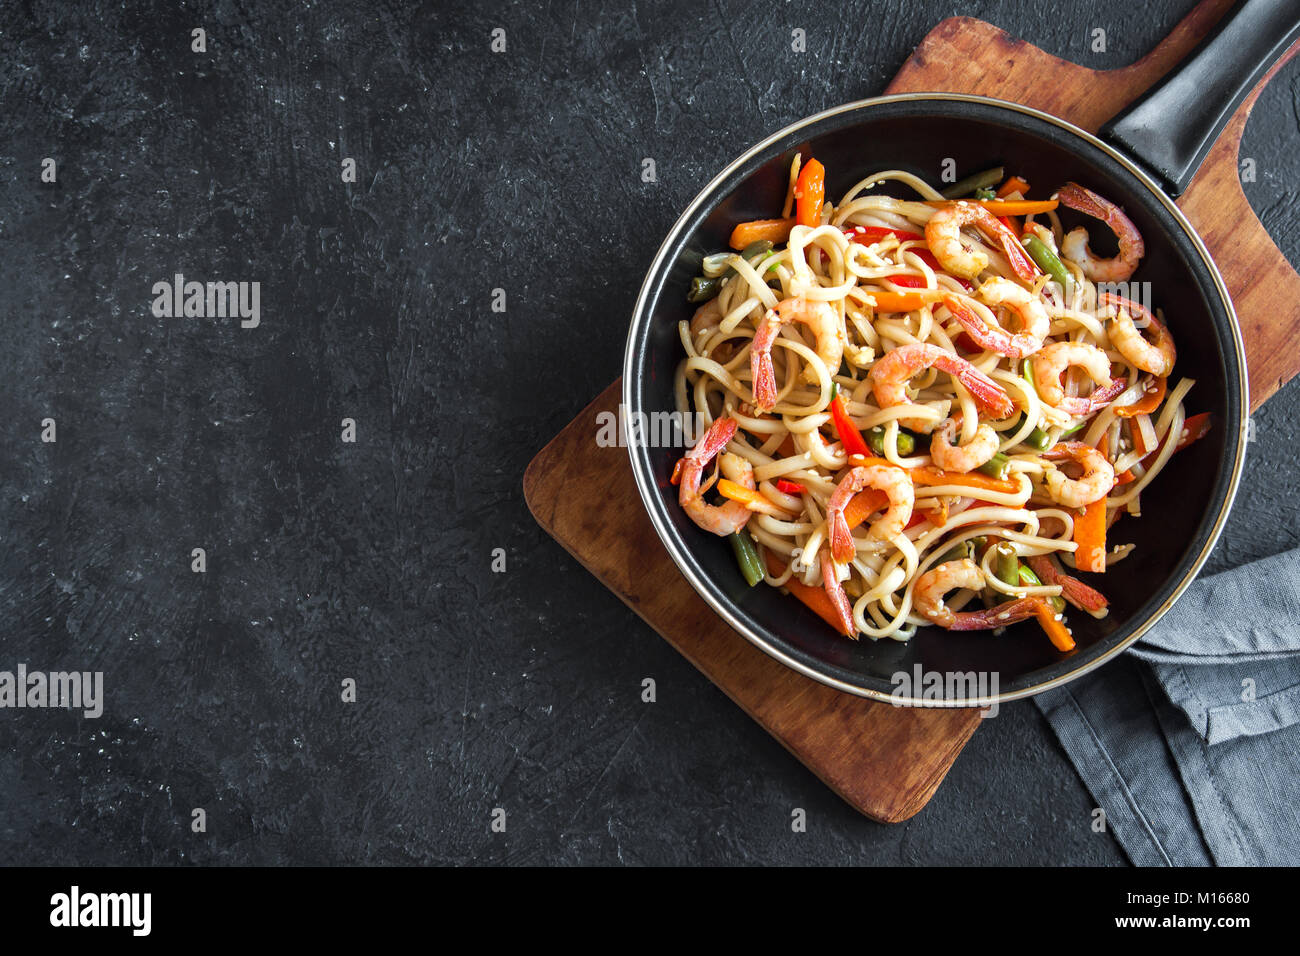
{"x": 1142, "y": 158}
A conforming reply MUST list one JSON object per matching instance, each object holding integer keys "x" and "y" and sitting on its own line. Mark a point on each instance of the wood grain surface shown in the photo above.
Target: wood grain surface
{"x": 885, "y": 761}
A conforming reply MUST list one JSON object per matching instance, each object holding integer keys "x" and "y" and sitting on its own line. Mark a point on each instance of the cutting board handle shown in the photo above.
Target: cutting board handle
{"x": 1171, "y": 128}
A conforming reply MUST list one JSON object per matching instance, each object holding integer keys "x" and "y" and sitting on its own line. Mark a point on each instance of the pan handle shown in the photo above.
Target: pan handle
{"x": 1174, "y": 124}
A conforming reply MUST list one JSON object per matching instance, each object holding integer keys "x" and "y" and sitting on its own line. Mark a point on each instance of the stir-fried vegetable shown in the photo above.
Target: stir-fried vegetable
{"x": 876, "y": 439}
{"x": 1055, "y": 628}
{"x": 1090, "y": 536}
{"x": 997, "y": 466}
{"x": 810, "y": 194}
{"x": 814, "y": 599}
{"x": 746, "y": 552}
{"x": 850, "y": 437}
{"x": 1006, "y": 564}
{"x": 772, "y": 230}
{"x": 1049, "y": 262}
{"x": 1003, "y": 207}
{"x": 1151, "y": 398}
{"x": 704, "y": 288}
{"x": 984, "y": 180}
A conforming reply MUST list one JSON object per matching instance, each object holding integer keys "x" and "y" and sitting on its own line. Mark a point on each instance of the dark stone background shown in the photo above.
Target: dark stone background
{"x": 371, "y": 561}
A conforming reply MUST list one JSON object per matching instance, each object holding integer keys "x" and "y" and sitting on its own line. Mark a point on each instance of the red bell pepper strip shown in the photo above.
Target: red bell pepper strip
{"x": 789, "y": 487}
{"x": 850, "y": 437}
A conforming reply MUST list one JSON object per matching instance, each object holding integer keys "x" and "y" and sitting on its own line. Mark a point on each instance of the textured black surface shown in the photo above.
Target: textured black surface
{"x": 372, "y": 561}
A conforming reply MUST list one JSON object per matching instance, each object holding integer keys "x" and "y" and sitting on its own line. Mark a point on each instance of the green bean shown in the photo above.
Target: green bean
{"x": 876, "y": 439}
{"x": 1047, "y": 260}
{"x": 1006, "y": 565}
{"x": 1029, "y": 579}
{"x": 755, "y": 247}
{"x": 704, "y": 288}
{"x": 964, "y": 187}
{"x": 963, "y": 549}
{"x": 996, "y": 467}
{"x": 988, "y": 192}
{"x": 1071, "y": 431}
{"x": 1037, "y": 439}
{"x": 747, "y": 557}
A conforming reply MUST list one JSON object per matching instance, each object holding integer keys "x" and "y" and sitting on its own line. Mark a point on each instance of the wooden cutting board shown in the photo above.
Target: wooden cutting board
{"x": 885, "y": 761}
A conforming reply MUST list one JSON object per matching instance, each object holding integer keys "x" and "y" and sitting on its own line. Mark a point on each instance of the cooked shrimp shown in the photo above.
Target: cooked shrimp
{"x": 1034, "y": 320}
{"x": 931, "y": 587}
{"x": 1050, "y": 364}
{"x": 1073, "y": 590}
{"x": 943, "y": 234}
{"x": 1075, "y": 244}
{"x": 826, "y": 327}
{"x": 891, "y": 372}
{"x": 966, "y": 457}
{"x": 839, "y": 600}
{"x": 897, "y": 486}
{"x": 995, "y": 338}
{"x": 1156, "y": 356}
{"x": 1095, "y": 483}
{"x": 724, "y": 519}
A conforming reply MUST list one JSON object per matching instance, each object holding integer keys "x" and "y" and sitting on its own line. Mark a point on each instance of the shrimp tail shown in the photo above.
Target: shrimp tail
{"x": 1072, "y": 589}
{"x": 987, "y": 393}
{"x": 1009, "y": 612}
{"x": 715, "y": 439}
{"x": 839, "y": 600}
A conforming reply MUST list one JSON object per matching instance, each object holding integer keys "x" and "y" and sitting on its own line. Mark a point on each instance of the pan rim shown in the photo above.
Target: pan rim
{"x": 645, "y": 482}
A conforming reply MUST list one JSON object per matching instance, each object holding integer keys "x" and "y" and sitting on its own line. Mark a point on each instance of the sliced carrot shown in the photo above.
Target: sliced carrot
{"x": 1014, "y": 184}
{"x": 1147, "y": 404}
{"x": 814, "y": 599}
{"x": 810, "y": 193}
{"x": 1057, "y": 632}
{"x": 1004, "y": 207}
{"x": 737, "y": 492}
{"x": 931, "y": 476}
{"x": 773, "y": 230}
{"x": 1090, "y": 536}
{"x": 905, "y": 301}
{"x": 863, "y": 505}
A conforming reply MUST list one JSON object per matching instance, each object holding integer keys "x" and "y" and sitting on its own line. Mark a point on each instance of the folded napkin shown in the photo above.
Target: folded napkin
{"x": 1189, "y": 742}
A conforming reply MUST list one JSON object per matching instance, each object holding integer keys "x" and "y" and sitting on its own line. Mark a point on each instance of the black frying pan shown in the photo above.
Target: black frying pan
{"x": 1162, "y": 137}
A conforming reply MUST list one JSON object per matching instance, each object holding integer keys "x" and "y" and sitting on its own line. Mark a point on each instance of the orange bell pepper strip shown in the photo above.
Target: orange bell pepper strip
{"x": 1090, "y": 536}
{"x": 930, "y": 476}
{"x": 1003, "y": 207}
{"x": 1148, "y": 403}
{"x": 810, "y": 194}
{"x": 1014, "y": 184}
{"x": 773, "y": 230}
{"x": 1057, "y": 632}
{"x": 814, "y": 599}
{"x": 906, "y": 301}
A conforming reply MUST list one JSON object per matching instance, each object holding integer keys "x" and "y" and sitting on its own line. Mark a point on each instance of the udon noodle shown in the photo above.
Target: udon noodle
{"x": 926, "y": 411}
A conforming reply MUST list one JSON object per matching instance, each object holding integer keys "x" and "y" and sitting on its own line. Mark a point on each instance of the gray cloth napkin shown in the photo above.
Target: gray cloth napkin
{"x": 1189, "y": 742}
